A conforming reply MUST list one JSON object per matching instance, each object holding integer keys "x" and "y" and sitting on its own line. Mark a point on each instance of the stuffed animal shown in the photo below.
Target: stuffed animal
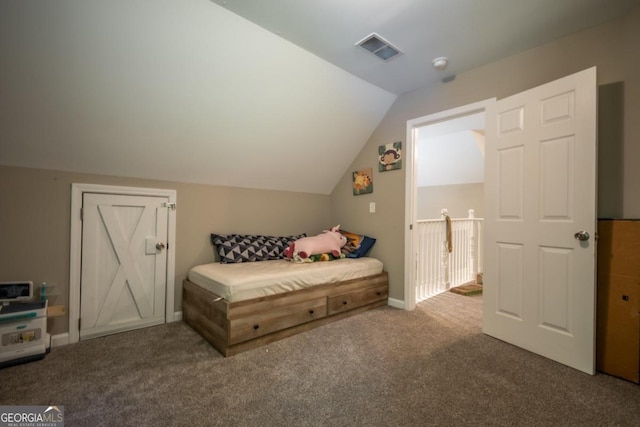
{"x": 330, "y": 241}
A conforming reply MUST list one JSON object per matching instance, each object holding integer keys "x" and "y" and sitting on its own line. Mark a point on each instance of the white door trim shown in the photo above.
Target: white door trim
{"x": 76, "y": 247}
{"x": 411, "y": 189}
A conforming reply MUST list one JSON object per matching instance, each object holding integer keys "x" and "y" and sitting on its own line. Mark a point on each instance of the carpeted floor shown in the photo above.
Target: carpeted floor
{"x": 386, "y": 367}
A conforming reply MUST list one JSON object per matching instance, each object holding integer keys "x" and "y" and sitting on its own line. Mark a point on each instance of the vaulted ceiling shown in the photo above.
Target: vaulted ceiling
{"x": 468, "y": 32}
{"x": 258, "y": 94}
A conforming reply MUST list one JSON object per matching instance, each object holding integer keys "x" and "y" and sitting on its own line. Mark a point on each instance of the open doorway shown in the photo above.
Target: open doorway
{"x": 450, "y": 167}
{"x": 540, "y": 188}
{"x": 449, "y": 162}
{"x": 445, "y": 170}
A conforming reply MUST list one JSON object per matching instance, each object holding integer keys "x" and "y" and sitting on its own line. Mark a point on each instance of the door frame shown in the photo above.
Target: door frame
{"x": 411, "y": 191}
{"x": 75, "y": 261}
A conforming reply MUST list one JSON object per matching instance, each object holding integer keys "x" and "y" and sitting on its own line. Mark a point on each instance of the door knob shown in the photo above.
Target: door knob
{"x": 581, "y": 235}
{"x": 160, "y": 246}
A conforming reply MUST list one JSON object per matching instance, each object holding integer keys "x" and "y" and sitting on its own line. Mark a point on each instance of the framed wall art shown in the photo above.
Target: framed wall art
{"x": 390, "y": 157}
{"x": 363, "y": 181}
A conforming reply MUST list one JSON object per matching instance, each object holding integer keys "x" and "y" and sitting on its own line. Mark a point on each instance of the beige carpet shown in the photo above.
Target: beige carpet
{"x": 387, "y": 367}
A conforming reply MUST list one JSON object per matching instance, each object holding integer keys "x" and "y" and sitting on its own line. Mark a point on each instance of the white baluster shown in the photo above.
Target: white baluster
{"x": 473, "y": 252}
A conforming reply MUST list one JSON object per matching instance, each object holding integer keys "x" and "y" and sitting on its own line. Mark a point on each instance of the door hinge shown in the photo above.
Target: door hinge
{"x": 171, "y": 206}
{"x": 81, "y": 214}
{"x": 410, "y": 226}
{"x": 78, "y": 323}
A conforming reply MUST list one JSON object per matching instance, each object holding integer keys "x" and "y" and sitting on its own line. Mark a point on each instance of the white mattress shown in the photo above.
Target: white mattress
{"x": 247, "y": 280}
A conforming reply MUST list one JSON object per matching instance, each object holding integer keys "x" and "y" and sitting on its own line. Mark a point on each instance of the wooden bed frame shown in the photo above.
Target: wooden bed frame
{"x": 234, "y": 327}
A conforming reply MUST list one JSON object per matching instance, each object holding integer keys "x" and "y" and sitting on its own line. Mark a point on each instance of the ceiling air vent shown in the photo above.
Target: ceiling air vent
{"x": 379, "y": 47}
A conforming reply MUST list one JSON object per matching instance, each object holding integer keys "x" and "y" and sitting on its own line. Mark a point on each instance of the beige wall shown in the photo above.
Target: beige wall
{"x": 457, "y": 199}
{"x": 613, "y": 47}
{"x": 35, "y": 217}
{"x": 611, "y": 150}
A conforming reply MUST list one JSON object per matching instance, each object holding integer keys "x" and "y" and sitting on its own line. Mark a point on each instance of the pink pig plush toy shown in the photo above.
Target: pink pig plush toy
{"x": 330, "y": 241}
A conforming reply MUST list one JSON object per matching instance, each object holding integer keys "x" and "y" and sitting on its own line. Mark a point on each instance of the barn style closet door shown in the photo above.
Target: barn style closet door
{"x": 124, "y": 263}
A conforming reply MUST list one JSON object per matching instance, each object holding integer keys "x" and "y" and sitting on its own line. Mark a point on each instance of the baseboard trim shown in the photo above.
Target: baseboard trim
{"x": 63, "y": 339}
{"x": 59, "y": 340}
{"x": 396, "y": 303}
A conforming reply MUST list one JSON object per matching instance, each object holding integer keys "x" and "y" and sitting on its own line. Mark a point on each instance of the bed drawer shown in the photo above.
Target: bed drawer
{"x": 357, "y": 298}
{"x": 257, "y": 325}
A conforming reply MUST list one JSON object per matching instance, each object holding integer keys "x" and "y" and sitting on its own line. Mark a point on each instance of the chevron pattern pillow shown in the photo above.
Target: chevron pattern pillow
{"x": 234, "y": 248}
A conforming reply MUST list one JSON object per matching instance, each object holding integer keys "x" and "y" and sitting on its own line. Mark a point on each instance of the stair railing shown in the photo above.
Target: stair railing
{"x": 449, "y": 253}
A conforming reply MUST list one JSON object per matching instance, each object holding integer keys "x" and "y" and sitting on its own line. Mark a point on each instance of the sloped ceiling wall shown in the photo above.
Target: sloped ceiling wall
{"x": 175, "y": 90}
{"x": 451, "y": 152}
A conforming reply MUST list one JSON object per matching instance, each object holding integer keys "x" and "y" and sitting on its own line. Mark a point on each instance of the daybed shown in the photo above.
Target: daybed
{"x": 238, "y": 307}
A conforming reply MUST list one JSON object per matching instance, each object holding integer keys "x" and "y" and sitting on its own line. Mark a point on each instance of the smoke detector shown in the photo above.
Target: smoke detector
{"x": 440, "y": 63}
{"x": 378, "y": 46}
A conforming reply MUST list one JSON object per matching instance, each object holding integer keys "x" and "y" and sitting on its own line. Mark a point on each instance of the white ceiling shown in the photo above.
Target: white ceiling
{"x": 469, "y": 32}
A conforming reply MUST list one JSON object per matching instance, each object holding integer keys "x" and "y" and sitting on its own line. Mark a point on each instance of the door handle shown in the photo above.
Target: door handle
{"x": 582, "y": 236}
{"x": 159, "y": 246}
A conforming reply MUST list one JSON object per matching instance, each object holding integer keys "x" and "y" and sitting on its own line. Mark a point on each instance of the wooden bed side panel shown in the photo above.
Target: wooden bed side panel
{"x": 229, "y": 327}
{"x": 285, "y": 333}
{"x": 209, "y": 304}
{"x": 275, "y": 302}
{"x": 205, "y": 315}
{"x": 357, "y": 298}
{"x": 350, "y": 286}
{"x": 266, "y": 322}
{"x": 248, "y": 307}
{"x": 205, "y": 328}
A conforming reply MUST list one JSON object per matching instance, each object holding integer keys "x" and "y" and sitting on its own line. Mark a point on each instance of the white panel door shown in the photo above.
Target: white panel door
{"x": 124, "y": 263}
{"x": 540, "y": 190}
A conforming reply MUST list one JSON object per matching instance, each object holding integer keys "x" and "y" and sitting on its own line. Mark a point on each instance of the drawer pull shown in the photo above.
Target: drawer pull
{"x": 378, "y": 293}
{"x": 310, "y": 311}
{"x": 255, "y": 327}
{"x": 344, "y": 302}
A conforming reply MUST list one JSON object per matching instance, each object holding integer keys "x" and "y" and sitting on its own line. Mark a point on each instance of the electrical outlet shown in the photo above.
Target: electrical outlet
{"x": 372, "y": 207}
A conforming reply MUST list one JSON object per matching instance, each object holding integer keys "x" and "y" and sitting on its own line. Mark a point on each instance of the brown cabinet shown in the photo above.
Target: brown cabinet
{"x": 618, "y": 318}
